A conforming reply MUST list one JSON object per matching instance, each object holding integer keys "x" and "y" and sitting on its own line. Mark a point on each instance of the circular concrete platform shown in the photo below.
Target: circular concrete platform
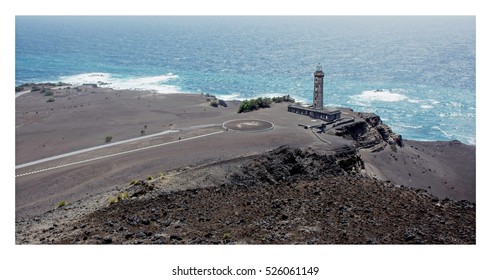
{"x": 248, "y": 125}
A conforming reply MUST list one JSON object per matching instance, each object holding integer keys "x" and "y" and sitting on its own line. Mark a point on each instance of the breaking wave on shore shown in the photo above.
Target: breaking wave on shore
{"x": 227, "y": 58}
{"x": 379, "y": 95}
{"x": 153, "y": 83}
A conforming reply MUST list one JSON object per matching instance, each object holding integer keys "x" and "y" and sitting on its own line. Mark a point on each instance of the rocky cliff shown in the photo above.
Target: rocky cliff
{"x": 369, "y": 132}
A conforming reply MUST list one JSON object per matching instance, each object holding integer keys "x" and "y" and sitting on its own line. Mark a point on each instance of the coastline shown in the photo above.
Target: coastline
{"x": 82, "y": 117}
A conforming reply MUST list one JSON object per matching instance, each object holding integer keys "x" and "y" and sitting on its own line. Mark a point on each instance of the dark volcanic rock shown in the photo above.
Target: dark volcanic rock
{"x": 286, "y": 164}
{"x": 370, "y": 133}
{"x": 288, "y": 196}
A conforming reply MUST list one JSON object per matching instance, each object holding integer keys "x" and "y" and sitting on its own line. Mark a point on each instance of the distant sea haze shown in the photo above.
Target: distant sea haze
{"x": 418, "y": 73}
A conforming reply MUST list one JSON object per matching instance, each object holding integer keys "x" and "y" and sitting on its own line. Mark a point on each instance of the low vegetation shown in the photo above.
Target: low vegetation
{"x": 108, "y": 139}
{"x": 61, "y": 204}
{"x": 262, "y": 102}
{"x": 39, "y": 87}
{"x": 120, "y": 197}
{"x": 214, "y": 102}
{"x": 254, "y": 104}
{"x": 284, "y": 98}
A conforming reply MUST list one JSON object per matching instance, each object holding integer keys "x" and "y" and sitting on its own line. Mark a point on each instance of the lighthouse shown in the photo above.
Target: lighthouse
{"x": 317, "y": 110}
{"x": 318, "y": 88}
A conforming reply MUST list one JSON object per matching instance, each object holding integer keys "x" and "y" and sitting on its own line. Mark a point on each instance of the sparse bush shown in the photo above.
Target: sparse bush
{"x": 214, "y": 103}
{"x": 161, "y": 175}
{"x": 48, "y": 93}
{"x": 108, "y": 139}
{"x": 226, "y": 236}
{"x": 61, "y": 204}
{"x": 19, "y": 88}
{"x": 222, "y": 103}
{"x": 254, "y": 104}
{"x": 113, "y": 200}
{"x": 284, "y": 98}
{"x": 120, "y": 197}
{"x": 132, "y": 182}
{"x": 51, "y": 100}
{"x": 149, "y": 178}
{"x": 123, "y": 196}
{"x": 142, "y": 132}
{"x": 393, "y": 147}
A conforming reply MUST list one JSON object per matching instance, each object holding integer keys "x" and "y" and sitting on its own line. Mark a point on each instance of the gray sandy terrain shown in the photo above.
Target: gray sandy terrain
{"x": 83, "y": 117}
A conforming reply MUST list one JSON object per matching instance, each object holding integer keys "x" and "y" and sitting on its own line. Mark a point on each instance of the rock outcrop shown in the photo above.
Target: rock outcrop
{"x": 287, "y": 164}
{"x": 370, "y": 133}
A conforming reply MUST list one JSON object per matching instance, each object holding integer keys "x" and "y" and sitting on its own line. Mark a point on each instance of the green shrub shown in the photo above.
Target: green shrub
{"x": 113, "y": 200}
{"x": 132, "y": 182}
{"x": 284, "y": 98}
{"x": 108, "y": 139}
{"x": 254, "y": 104}
{"x": 61, "y": 204}
{"x": 149, "y": 178}
{"x": 51, "y": 100}
{"x": 214, "y": 103}
{"x": 123, "y": 196}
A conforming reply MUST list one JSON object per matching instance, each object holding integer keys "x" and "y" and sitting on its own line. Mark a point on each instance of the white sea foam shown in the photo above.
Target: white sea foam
{"x": 229, "y": 97}
{"x": 411, "y": 126}
{"x": 435, "y": 127}
{"x": 426, "y": 106}
{"x": 152, "y": 83}
{"x": 379, "y": 95}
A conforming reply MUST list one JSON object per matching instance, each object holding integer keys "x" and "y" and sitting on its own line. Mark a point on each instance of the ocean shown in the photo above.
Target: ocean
{"x": 418, "y": 73}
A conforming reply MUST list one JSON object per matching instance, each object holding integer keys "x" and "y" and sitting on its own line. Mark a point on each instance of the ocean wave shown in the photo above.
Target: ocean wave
{"x": 229, "y": 97}
{"x": 411, "y": 126}
{"x": 152, "y": 83}
{"x": 379, "y": 95}
{"x": 437, "y": 128}
{"x": 426, "y": 106}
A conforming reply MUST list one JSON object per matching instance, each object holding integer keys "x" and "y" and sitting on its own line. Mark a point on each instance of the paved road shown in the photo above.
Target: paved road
{"x": 17, "y": 94}
{"x": 112, "y": 144}
{"x": 92, "y": 149}
{"x": 40, "y": 189}
{"x": 103, "y": 156}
